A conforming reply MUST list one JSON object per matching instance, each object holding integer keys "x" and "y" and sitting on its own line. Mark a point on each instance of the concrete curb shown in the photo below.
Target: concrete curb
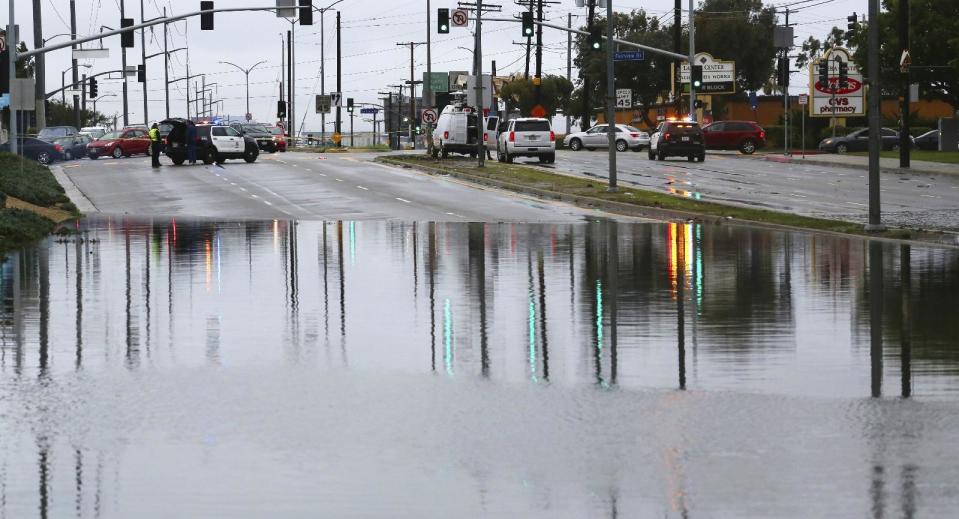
{"x": 84, "y": 205}
{"x": 934, "y": 238}
{"x": 814, "y": 162}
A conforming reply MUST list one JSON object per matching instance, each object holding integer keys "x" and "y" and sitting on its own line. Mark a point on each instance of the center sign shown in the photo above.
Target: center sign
{"x": 719, "y": 77}
{"x": 830, "y": 99}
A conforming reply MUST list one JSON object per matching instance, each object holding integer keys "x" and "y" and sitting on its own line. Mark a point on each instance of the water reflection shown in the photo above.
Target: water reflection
{"x": 604, "y": 310}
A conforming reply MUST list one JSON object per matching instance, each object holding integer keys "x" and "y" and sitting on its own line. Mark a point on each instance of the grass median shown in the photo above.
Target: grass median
{"x": 627, "y": 200}
{"x": 32, "y": 202}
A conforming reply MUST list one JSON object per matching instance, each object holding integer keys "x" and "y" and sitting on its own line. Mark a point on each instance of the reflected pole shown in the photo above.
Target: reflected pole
{"x": 681, "y": 303}
{"x": 612, "y": 276}
{"x": 905, "y": 271}
{"x": 875, "y": 316}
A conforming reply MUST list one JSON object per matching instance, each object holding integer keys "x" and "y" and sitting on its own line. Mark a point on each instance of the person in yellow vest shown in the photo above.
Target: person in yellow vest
{"x": 155, "y": 144}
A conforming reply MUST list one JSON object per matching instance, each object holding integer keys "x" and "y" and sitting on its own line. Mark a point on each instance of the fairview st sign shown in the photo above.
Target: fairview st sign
{"x": 719, "y": 77}
{"x": 830, "y": 99}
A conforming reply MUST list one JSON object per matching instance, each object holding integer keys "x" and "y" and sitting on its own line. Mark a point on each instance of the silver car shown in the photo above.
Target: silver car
{"x": 627, "y": 138}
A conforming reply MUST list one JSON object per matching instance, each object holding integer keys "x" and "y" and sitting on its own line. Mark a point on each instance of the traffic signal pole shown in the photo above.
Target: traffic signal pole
{"x": 75, "y": 73}
{"x": 692, "y": 55}
{"x": 12, "y": 49}
{"x": 875, "y": 139}
{"x": 611, "y": 90}
{"x": 905, "y": 143}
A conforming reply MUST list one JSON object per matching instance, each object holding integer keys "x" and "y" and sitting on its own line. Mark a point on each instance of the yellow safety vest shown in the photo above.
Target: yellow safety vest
{"x": 154, "y": 134}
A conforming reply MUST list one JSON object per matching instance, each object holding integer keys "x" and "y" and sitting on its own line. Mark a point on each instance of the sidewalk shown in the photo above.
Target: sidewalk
{"x": 861, "y": 162}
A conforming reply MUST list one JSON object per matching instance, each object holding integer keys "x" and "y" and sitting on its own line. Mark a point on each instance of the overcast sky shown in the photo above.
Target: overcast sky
{"x": 371, "y": 58}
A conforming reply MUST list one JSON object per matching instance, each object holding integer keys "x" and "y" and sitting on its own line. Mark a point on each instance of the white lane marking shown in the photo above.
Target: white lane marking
{"x": 339, "y": 180}
{"x": 322, "y": 174}
{"x": 232, "y": 183}
{"x": 308, "y": 169}
{"x": 267, "y": 202}
{"x": 929, "y": 196}
{"x": 242, "y": 189}
{"x": 456, "y": 215}
{"x": 404, "y": 200}
{"x": 856, "y": 203}
{"x": 363, "y": 188}
{"x": 254, "y": 196}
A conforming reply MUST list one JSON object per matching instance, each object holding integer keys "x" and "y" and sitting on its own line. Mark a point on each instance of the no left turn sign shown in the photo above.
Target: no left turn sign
{"x": 429, "y": 115}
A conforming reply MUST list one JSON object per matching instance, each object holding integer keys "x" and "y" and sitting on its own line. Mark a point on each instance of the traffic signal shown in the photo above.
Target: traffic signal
{"x": 93, "y": 90}
{"x": 852, "y": 23}
{"x": 349, "y": 105}
{"x": 595, "y": 38}
{"x": 843, "y": 74}
{"x": 824, "y": 73}
{"x": 4, "y": 72}
{"x": 206, "y": 19}
{"x": 306, "y": 12}
{"x": 443, "y": 20}
{"x": 782, "y": 72}
{"x": 126, "y": 38}
{"x": 281, "y": 109}
{"x": 527, "y": 24}
{"x": 697, "y": 76}
{"x": 141, "y": 73}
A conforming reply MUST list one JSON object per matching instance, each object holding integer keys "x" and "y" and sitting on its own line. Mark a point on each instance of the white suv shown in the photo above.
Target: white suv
{"x": 527, "y": 137}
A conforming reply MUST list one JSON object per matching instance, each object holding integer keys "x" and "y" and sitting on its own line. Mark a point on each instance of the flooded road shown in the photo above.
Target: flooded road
{"x": 199, "y": 368}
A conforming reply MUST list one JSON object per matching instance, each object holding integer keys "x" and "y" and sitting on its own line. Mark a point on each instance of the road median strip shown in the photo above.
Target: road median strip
{"x": 631, "y": 201}
{"x": 32, "y": 202}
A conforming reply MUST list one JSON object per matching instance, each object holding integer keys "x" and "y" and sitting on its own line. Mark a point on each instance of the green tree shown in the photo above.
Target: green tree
{"x": 60, "y": 114}
{"x": 740, "y": 31}
{"x": 555, "y": 95}
{"x": 934, "y": 35}
{"x": 648, "y": 79}
{"x": 813, "y": 48}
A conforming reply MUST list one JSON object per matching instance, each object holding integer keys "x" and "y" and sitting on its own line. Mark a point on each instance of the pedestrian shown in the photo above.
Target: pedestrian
{"x": 191, "y": 142}
{"x": 155, "y": 144}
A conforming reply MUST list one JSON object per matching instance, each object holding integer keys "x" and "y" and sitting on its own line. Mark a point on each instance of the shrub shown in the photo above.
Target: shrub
{"x": 25, "y": 179}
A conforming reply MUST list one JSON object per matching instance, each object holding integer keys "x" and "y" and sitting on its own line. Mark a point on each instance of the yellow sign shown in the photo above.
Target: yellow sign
{"x": 336, "y": 138}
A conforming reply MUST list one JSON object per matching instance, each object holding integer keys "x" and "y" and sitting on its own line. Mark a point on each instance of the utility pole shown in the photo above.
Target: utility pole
{"x": 12, "y": 49}
{"x": 40, "y": 67}
{"x": 290, "y": 116}
{"x": 569, "y": 59}
{"x": 412, "y": 45}
{"x": 83, "y": 100}
{"x": 875, "y": 219}
{"x": 339, "y": 77}
{"x": 123, "y": 63}
{"x": 427, "y": 85}
{"x": 478, "y": 56}
{"x": 322, "y": 72}
{"x": 904, "y": 142}
{"x": 677, "y": 48}
{"x": 587, "y": 110}
{"x": 292, "y": 110}
{"x": 166, "y": 69}
{"x": 282, "y": 72}
{"x": 76, "y": 77}
{"x": 786, "y": 94}
{"x": 611, "y": 91}
{"x": 143, "y": 61}
{"x": 539, "y": 50}
{"x": 692, "y": 56}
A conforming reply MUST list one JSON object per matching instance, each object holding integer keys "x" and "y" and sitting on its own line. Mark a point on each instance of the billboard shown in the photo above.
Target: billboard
{"x": 829, "y": 100}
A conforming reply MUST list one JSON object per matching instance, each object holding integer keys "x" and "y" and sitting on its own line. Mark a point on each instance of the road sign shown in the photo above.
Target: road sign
{"x": 830, "y": 99}
{"x": 369, "y": 110}
{"x": 323, "y": 104}
{"x": 429, "y": 116}
{"x": 3, "y": 43}
{"x": 336, "y": 99}
{"x": 719, "y": 77}
{"x": 459, "y": 18}
{"x": 438, "y": 81}
{"x": 629, "y": 55}
{"x": 624, "y": 98}
{"x": 487, "y": 89}
{"x": 804, "y": 99}
{"x": 22, "y": 95}
{"x": 336, "y": 138}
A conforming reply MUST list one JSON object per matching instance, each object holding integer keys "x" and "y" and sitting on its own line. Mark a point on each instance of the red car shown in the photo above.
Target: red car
{"x": 745, "y": 136}
{"x": 278, "y": 137}
{"x": 123, "y": 143}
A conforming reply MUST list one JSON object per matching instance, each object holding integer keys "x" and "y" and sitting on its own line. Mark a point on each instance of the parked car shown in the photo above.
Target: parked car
{"x": 683, "y": 138}
{"x": 279, "y": 137}
{"x": 52, "y": 132}
{"x": 627, "y": 138}
{"x": 37, "y": 149}
{"x": 455, "y": 132}
{"x": 123, "y": 143}
{"x": 859, "y": 141}
{"x": 527, "y": 137}
{"x": 928, "y": 141}
{"x": 95, "y": 132}
{"x": 74, "y": 146}
{"x": 745, "y": 136}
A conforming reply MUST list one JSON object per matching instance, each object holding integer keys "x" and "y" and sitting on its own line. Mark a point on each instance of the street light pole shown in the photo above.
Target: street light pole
{"x": 247, "y": 71}
{"x": 611, "y": 92}
{"x": 875, "y": 221}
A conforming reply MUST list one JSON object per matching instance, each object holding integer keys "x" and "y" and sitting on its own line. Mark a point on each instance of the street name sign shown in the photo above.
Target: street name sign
{"x": 438, "y": 81}
{"x": 629, "y": 55}
{"x": 719, "y": 77}
{"x": 831, "y": 100}
{"x": 369, "y": 111}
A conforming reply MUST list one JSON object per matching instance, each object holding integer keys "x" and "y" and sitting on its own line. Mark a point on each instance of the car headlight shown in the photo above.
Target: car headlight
{"x": 827, "y": 142}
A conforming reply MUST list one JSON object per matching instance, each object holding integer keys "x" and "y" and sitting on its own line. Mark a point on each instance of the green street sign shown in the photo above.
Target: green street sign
{"x": 438, "y": 81}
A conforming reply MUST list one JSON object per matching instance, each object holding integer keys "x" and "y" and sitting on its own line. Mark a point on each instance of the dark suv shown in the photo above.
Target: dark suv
{"x": 745, "y": 136}
{"x": 673, "y": 138}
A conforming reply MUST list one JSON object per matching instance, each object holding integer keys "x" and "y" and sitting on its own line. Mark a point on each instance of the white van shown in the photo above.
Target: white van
{"x": 455, "y": 132}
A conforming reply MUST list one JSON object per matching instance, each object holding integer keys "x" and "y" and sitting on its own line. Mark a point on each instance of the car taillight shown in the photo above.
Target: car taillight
{"x": 512, "y": 136}
{"x": 446, "y": 135}
{"x": 634, "y": 135}
{"x": 762, "y": 134}
{"x": 58, "y": 147}
{"x": 666, "y": 136}
{"x": 552, "y": 137}
{"x": 485, "y": 137}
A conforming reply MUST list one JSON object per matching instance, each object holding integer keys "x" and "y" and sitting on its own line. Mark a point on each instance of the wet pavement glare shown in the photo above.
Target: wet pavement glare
{"x": 173, "y": 368}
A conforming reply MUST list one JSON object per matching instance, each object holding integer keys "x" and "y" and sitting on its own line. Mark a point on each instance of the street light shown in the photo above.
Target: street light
{"x": 246, "y": 71}
{"x": 95, "y": 99}
{"x": 63, "y": 81}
